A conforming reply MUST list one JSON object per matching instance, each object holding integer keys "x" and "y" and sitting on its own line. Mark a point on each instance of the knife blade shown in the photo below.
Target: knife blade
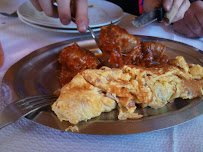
{"x": 156, "y": 15}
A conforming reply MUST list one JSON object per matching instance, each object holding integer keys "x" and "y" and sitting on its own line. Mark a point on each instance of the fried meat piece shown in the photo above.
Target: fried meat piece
{"x": 118, "y": 46}
{"x": 93, "y": 91}
{"x": 153, "y": 53}
{"x": 155, "y": 49}
{"x": 121, "y": 48}
{"x": 73, "y": 60}
{"x": 112, "y": 38}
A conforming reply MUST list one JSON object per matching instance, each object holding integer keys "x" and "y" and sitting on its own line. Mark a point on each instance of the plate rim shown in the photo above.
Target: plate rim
{"x": 62, "y": 30}
{"x": 42, "y": 27}
{"x": 70, "y": 26}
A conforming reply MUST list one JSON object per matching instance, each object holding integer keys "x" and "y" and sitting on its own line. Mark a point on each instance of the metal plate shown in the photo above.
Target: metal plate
{"x": 38, "y": 72}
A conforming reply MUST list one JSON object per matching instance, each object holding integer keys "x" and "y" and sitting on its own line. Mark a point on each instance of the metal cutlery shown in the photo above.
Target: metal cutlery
{"x": 23, "y": 107}
{"x": 94, "y": 36}
{"x": 147, "y": 18}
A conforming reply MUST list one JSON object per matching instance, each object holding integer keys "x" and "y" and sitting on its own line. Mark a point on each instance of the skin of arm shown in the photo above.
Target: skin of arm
{"x": 192, "y": 23}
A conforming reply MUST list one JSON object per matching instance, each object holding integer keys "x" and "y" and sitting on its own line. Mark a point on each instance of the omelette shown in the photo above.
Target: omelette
{"x": 93, "y": 91}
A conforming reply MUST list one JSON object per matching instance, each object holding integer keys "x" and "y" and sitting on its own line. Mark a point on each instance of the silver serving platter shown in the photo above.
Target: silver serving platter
{"x": 37, "y": 73}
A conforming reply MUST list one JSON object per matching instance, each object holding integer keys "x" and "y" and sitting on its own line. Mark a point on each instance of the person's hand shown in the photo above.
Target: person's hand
{"x": 64, "y": 10}
{"x": 192, "y": 23}
{"x": 177, "y": 8}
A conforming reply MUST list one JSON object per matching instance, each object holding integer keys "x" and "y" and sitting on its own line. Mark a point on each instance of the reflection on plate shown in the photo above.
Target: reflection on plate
{"x": 100, "y": 13}
{"x": 41, "y": 67}
{"x": 58, "y": 29}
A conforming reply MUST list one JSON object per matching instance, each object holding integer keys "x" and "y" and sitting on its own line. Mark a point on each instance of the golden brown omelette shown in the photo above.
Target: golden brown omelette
{"x": 94, "y": 91}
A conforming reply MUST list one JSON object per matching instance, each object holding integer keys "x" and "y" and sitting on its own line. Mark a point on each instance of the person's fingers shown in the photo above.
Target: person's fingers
{"x": 200, "y": 18}
{"x": 64, "y": 11}
{"x": 165, "y": 23}
{"x": 199, "y": 13}
{"x": 167, "y": 4}
{"x": 199, "y": 31}
{"x": 193, "y": 23}
{"x": 48, "y": 8}
{"x": 173, "y": 10}
{"x": 183, "y": 28}
{"x": 36, "y": 4}
{"x": 181, "y": 11}
{"x": 82, "y": 20}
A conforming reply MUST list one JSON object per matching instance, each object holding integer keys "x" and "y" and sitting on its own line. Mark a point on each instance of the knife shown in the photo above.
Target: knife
{"x": 157, "y": 14}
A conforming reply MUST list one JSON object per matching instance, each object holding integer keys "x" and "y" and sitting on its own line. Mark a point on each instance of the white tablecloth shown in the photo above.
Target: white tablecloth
{"x": 19, "y": 39}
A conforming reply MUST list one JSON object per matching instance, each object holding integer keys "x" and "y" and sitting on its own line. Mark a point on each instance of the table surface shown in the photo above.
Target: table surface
{"x": 19, "y": 39}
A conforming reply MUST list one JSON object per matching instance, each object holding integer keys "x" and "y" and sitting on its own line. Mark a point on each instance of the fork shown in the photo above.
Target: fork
{"x": 94, "y": 36}
{"x": 23, "y": 107}
{"x": 91, "y": 32}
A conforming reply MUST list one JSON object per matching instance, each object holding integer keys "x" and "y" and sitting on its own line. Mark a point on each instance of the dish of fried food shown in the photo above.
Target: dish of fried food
{"x": 118, "y": 48}
{"x": 132, "y": 74}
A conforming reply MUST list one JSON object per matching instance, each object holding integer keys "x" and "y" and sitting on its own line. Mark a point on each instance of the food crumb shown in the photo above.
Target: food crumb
{"x": 72, "y": 129}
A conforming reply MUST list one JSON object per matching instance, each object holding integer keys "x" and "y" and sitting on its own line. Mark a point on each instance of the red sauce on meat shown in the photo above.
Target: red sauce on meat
{"x": 118, "y": 48}
{"x": 74, "y": 60}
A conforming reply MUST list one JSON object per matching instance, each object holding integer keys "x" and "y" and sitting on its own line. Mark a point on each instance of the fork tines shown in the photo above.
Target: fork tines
{"x": 35, "y": 101}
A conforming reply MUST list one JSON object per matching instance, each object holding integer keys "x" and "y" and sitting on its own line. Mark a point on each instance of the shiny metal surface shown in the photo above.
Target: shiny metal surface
{"x": 94, "y": 36}
{"x": 38, "y": 72}
{"x": 23, "y": 107}
{"x": 156, "y": 15}
{"x": 145, "y": 19}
